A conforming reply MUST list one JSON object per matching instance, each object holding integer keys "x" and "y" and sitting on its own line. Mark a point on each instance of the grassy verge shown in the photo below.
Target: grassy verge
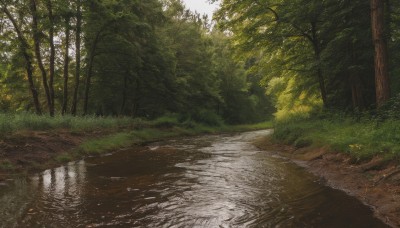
{"x": 361, "y": 139}
{"x": 11, "y": 123}
{"x": 126, "y": 139}
{"x": 91, "y": 136}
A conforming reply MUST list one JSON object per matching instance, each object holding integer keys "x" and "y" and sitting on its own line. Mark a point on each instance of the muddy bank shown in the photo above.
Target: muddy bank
{"x": 32, "y": 151}
{"x": 28, "y": 152}
{"x": 376, "y": 182}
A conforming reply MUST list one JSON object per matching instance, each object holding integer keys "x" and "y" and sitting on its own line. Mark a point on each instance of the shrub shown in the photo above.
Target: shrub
{"x": 166, "y": 121}
{"x": 207, "y": 117}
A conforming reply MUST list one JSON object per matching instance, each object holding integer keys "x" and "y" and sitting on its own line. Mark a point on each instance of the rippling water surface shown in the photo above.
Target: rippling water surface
{"x": 207, "y": 181}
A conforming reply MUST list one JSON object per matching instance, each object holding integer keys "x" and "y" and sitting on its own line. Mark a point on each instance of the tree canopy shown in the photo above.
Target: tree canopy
{"x": 318, "y": 53}
{"x": 123, "y": 58}
{"x": 148, "y": 58}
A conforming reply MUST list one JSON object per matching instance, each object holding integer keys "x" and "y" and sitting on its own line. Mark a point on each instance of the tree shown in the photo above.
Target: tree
{"x": 37, "y": 48}
{"x": 67, "y": 18}
{"x": 24, "y": 49}
{"x": 78, "y": 30}
{"x": 381, "y": 56}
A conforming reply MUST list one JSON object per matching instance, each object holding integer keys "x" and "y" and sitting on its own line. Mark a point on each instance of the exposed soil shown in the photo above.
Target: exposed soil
{"x": 30, "y": 151}
{"x": 375, "y": 182}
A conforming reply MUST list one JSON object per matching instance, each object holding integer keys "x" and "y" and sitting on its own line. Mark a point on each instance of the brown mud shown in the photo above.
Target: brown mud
{"x": 32, "y": 151}
{"x": 376, "y": 182}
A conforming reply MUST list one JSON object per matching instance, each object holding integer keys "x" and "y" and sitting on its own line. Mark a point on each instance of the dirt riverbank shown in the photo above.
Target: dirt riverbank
{"x": 30, "y": 151}
{"x": 376, "y": 182}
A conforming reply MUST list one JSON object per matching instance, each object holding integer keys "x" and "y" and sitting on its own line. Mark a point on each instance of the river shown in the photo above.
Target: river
{"x": 205, "y": 181}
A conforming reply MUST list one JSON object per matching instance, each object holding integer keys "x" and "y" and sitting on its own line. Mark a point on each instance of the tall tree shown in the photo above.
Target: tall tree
{"x": 381, "y": 53}
{"x": 25, "y": 50}
{"x": 49, "y": 6}
{"x": 37, "y": 47}
{"x": 78, "y": 30}
{"x": 66, "y": 64}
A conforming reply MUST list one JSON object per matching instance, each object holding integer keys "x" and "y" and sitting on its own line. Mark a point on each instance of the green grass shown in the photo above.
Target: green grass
{"x": 64, "y": 158}
{"x": 98, "y": 146}
{"x": 361, "y": 139}
{"x": 126, "y": 139}
{"x": 6, "y": 165}
{"x": 10, "y": 123}
{"x": 118, "y": 132}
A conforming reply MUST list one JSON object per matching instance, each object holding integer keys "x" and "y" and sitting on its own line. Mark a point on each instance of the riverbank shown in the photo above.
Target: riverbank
{"x": 346, "y": 156}
{"x": 39, "y": 143}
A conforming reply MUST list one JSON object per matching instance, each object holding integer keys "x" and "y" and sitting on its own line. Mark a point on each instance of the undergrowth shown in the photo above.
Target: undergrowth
{"x": 117, "y": 133}
{"x": 362, "y": 138}
{"x": 126, "y": 139}
{"x": 10, "y": 123}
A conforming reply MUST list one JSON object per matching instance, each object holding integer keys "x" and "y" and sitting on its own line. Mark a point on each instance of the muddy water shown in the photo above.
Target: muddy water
{"x": 207, "y": 181}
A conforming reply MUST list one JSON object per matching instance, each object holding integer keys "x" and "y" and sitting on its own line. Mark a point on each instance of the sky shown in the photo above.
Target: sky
{"x": 201, "y": 6}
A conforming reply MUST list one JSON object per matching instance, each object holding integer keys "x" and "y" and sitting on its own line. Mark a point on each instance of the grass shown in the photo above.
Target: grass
{"x": 64, "y": 158}
{"x": 97, "y": 146}
{"x": 362, "y": 139}
{"x": 10, "y": 123}
{"x": 126, "y": 139}
{"x": 6, "y": 165}
{"x": 107, "y": 134}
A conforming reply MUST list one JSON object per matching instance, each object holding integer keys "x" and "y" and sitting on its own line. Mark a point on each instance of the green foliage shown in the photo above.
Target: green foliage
{"x": 6, "y": 165}
{"x": 207, "y": 117}
{"x": 10, "y": 123}
{"x": 126, "y": 139}
{"x": 300, "y": 51}
{"x": 141, "y": 59}
{"x": 166, "y": 121}
{"x": 64, "y": 158}
{"x": 361, "y": 139}
{"x": 109, "y": 143}
{"x": 391, "y": 110}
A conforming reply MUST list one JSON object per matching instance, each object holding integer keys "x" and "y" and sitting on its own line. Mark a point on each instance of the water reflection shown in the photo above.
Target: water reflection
{"x": 208, "y": 181}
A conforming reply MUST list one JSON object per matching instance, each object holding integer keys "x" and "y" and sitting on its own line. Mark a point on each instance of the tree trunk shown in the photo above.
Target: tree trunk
{"x": 317, "y": 53}
{"x": 355, "y": 81}
{"x": 382, "y": 85}
{"x": 24, "y": 46}
{"x": 77, "y": 56}
{"x": 92, "y": 54}
{"x": 52, "y": 55}
{"x": 356, "y": 91}
{"x": 322, "y": 87}
{"x": 124, "y": 91}
{"x": 87, "y": 85}
{"x": 36, "y": 40}
{"x": 66, "y": 66}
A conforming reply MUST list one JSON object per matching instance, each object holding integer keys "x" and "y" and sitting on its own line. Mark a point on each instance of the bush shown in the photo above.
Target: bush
{"x": 166, "y": 121}
{"x": 207, "y": 117}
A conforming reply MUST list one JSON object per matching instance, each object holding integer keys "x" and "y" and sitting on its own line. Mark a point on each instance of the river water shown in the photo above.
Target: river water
{"x": 206, "y": 181}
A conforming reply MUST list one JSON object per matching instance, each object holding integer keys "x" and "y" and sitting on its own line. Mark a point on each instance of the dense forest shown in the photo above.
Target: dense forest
{"x": 122, "y": 58}
{"x": 150, "y": 58}
{"x": 333, "y": 54}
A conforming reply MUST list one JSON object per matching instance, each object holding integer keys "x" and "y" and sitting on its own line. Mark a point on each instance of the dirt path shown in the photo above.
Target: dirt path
{"x": 375, "y": 182}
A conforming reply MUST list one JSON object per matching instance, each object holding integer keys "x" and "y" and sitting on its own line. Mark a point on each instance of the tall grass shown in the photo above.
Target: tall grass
{"x": 10, "y": 123}
{"x": 363, "y": 139}
{"x": 16, "y": 122}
